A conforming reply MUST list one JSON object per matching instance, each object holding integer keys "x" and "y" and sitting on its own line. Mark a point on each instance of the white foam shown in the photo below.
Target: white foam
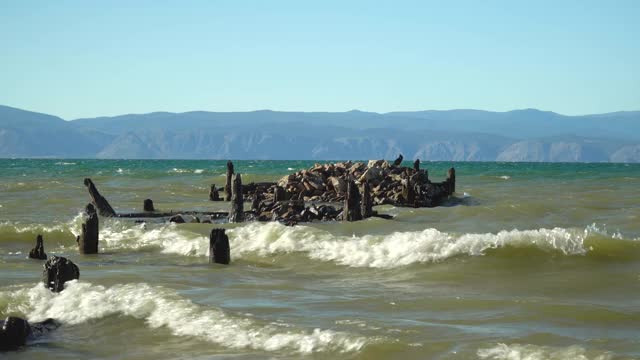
{"x": 65, "y": 163}
{"x": 198, "y": 171}
{"x": 290, "y": 169}
{"x": 505, "y": 177}
{"x": 377, "y": 251}
{"x": 160, "y": 307}
{"x": 393, "y": 250}
{"x": 119, "y": 171}
{"x": 534, "y": 352}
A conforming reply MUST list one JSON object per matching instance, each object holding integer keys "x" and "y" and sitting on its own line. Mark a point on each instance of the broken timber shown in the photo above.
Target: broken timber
{"x": 219, "y": 250}
{"x": 98, "y": 200}
{"x": 88, "y": 239}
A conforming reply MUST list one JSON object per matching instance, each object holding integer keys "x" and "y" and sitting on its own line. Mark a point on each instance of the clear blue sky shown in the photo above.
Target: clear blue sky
{"x": 90, "y": 58}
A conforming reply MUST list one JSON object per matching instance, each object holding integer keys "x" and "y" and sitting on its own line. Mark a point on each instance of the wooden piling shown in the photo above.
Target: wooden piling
{"x": 416, "y": 165}
{"x": 38, "y": 251}
{"x": 227, "y": 187}
{"x": 367, "y": 201}
{"x": 352, "y": 210}
{"x": 213, "y": 193}
{"x": 398, "y": 161}
{"x": 279, "y": 194}
{"x": 451, "y": 180}
{"x": 88, "y": 239}
{"x": 98, "y": 200}
{"x": 236, "y": 215}
{"x": 219, "y": 250}
{"x": 408, "y": 192}
{"x": 148, "y": 205}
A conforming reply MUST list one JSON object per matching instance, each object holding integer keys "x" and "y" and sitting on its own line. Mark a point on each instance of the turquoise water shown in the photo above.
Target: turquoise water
{"x": 530, "y": 261}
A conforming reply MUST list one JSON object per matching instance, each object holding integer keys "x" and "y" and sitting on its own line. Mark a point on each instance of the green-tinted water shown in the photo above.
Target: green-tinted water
{"x": 534, "y": 261}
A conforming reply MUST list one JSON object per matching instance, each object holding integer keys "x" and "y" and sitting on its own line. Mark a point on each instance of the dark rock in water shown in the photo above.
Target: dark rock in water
{"x": 178, "y": 219}
{"x": 57, "y": 271}
{"x": 148, "y": 205}
{"x": 88, "y": 239}
{"x": 38, "y": 251}
{"x": 219, "y": 249}
{"x": 398, "y": 161}
{"x": 14, "y": 333}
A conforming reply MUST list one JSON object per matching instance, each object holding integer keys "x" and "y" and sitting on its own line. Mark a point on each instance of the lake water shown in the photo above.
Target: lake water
{"x": 532, "y": 261}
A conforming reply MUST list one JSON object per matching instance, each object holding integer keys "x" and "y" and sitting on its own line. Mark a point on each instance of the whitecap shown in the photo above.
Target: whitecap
{"x": 290, "y": 169}
{"x": 198, "y": 171}
{"x": 505, "y": 177}
{"x": 119, "y": 171}
{"x": 81, "y": 302}
{"x": 535, "y": 352}
{"x": 65, "y": 163}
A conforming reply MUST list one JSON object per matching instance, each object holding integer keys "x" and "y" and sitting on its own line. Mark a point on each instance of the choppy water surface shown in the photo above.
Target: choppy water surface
{"x": 535, "y": 261}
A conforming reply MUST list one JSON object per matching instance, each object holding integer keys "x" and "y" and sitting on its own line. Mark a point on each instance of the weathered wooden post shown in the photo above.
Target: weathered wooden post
{"x": 278, "y": 194}
{"x": 367, "y": 201}
{"x": 398, "y": 161}
{"x": 219, "y": 250}
{"x": 148, "y": 205}
{"x": 236, "y": 214}
{"x": 213, "y": 193}
{"x": 352, "y": 211}
{"x": 227, "y": 187}
{"x": 98, "y": 200}
{"x": 408, "y": 191}
{"x": 38, "y": 251}
{"x": 416, "y": 165}
{"x": 88, "y": 239}
{"x": 451, "y": 180}
{"x": 57, "y": 271}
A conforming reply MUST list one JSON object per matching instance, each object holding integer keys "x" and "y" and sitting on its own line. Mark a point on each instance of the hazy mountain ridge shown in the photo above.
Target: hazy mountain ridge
{"x": 459, "y": 135}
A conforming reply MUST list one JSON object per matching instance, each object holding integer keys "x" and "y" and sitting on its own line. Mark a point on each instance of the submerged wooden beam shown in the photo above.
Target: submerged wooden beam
{"x": 98, "y": 200}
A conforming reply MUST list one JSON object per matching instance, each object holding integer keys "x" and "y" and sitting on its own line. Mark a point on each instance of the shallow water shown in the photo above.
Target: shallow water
{"x": 530, "y": 261}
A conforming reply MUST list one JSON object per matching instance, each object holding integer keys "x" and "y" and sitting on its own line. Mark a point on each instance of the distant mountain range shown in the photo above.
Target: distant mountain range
{"x": 458, "y": 135}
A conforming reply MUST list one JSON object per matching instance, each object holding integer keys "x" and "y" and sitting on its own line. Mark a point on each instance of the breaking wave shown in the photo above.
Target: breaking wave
{"x": 534, "y": 352}
{"x": 161, "y": 307}
{"x": 376, "y": 251}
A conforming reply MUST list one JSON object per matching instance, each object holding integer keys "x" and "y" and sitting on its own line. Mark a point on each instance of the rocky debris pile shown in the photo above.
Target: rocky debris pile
{"x": 389, "y": 184}
{"x": 294, "y": 211}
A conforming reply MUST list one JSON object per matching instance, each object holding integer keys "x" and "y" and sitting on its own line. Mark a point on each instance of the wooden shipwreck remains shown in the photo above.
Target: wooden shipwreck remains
{"x": 88, "y": 239}
{"x": 236, "y": 214}
{"x": 227, "y": 187}
{"x": 38, "y": 251}
{"x": 98, "y": 200}
{"x": 219, "y": 250}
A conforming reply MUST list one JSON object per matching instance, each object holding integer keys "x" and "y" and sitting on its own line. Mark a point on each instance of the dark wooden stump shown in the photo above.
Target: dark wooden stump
{"x": 148, "y": 205}
{"x": 416, "y": 165}
{"x": 213, "y": 193}
{"x": 408, "y": 192}
{"x": 227, "y": 188}
{"x": 57, "y": 271}
{"x": 279, "y": 194}
{"x": 219, "y": 250}
{"x": 451, "y": 180}
{"x": 236, "y": 215}
{"x": 398, "y": 161}
{"x": 38, "y": 251}
{"x": 98, "y": 200}
{"x": 367, "y": 201}
{"x": 88, "y": 240}
{"x": 352, "y": 210}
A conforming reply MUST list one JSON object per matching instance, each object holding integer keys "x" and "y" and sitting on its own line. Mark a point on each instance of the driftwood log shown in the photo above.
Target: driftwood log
{"x": 227, "y": 187}
{"x": 104, "y": 209}
{"x": 88, "y": 239}
{"x": 236, "y": 215}
{"x": 38, "y": 251}
{"x": 219, "y": 250}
